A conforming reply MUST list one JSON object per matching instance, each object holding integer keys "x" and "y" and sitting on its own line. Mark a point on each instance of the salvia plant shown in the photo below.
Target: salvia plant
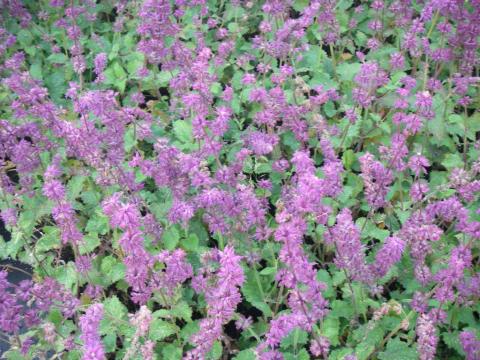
{"x": 203, "y": 179}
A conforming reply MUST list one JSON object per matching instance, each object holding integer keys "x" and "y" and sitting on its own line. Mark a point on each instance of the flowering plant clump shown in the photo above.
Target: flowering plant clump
{"x": 203, "y": 179}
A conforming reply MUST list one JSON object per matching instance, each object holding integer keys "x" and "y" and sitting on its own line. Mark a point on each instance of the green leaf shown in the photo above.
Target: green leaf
{"x": 172, "y": 351}
{"x": 311, "y": 58}
{"x": 129, "y": 139}
{"x": 75, "y": 186}
{"x": 324, "y": 277}
{"x": 299, "y": 5}
{"x": 182, "y": 311}
{"x": 98, "y": 223}
{"x": 294, "y": 338}
{"x": 302, "y": 354}
{"x": 183, "y": 131}
{"x": 268, "y": 271}
{"x": 188, "y": 330}
{"x": 340, "y": 354}
{"x": 348, "y": 158}
{"x": 247, "y": 354}
{"x": 170, "y": 237}
{"x": 347, "y": 71}
{"x": 330, "y": 329}
{"x": 114, "y": 307}
{"x": 90, "y": 242}
{"x": 56, "y": 84}
{"x": 112, "y": 269}
{"x": 134, "y": 62}
{"x": 398, "y": 350}
{"x": 57, "y": 58}
{"x": 36, "y": 70}
{"x": 24, "y": 37}
{"x": 191, "y": 242}
{"x": 437, "y": 126}
{"x": 160, "y": 329}
{"x": 216, "y": 351}
{"x": 50, "y": 239}
{"x": 452, "y": 160}
{"x": 253, "y": 295}
{"x": 288, "y": 139}
{"x": 341, "y": 309}
{"x": 66, "y": 275}
{"x": 110, "y": 342}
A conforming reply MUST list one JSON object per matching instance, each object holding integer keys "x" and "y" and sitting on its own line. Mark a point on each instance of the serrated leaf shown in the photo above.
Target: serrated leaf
{"x": 57, "y": 58}
{"x": 347, "y": 71}
{"x": 172, "y": 352}
{"x": 398, "y": 350}
{"x": 112, "y": 269}
{"x": 113, "y": 306}
{"x": 183, "y": 131}
{"x": 452, "y": 160}
{"x": 268, "y": 271}
{"x": 247, "y": 354}
{"x": 170, "y": 237}
{"x": 330, "y": 329}
{"x": 50, "y": 239}
{"x": 90, "y": 242}
{"x": 253, "y": 295}
{"x": 216, "y": 351}
{"x": 160, "y": 329}
{"x": 182, "y": 311}
{"x": 191, "y": 242}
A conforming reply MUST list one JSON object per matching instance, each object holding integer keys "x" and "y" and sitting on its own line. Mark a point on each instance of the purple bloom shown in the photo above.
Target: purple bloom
{"x": 427, "y": 338}
{"x": 349, "y": 249}
{"x": 92, "y": 342}
{"x": 221, "y": 284}
{"x": 397, "y": 61}
{"x": 418, "y": 164}
{"x": 470, "y": 344}
{"x": 390, "y": 253}
{"x": 418, "y": 190}
{"x": 261, "y": 143}
{"x": 9, "y": 216}
{"x": 376, "y": 179}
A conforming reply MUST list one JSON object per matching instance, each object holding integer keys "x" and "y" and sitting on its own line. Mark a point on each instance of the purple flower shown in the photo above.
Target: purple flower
{"x": 376, "y": 179}
{"x": 397, "y": 61}
{"x": 83, "y": 264}
{"x": 418, "y": 164}
{"x": 261, "y": 143}
{"x": 223, "y": 285}
{"x": 100, "y": 62}
{"x": 349, "y": 249}
{"x": 470, "y": 344}
{"x": 320, "y": 346}
{"x": 9, "y": 216}
{"x": 92, "y": 342}
{"x": 390, "y": 253}
{"x": 243, "y": 322}
{"x": 427, "y": 338}
{"x": 418, "y": 190}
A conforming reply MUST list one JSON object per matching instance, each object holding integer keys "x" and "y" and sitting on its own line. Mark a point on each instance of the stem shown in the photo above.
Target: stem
{"x": 434, "y": 22}
{"x": 221, "y": 243}
{"x": 390, "y": 335}
{"x": 334, "y": 62}
{"x": 12, "y": 267}
{"x": 345, "y": 132}
{"x": 465, "y": 143}
{"x": 260, "y": 287}
{"x": 354, "y": 301}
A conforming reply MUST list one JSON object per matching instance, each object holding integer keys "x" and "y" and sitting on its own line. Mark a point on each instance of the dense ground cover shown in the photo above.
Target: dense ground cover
{"x": 240, "y": 179}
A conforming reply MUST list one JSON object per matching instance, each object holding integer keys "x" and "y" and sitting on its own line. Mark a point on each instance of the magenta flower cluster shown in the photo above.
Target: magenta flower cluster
{"x": 275, "y": 179}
